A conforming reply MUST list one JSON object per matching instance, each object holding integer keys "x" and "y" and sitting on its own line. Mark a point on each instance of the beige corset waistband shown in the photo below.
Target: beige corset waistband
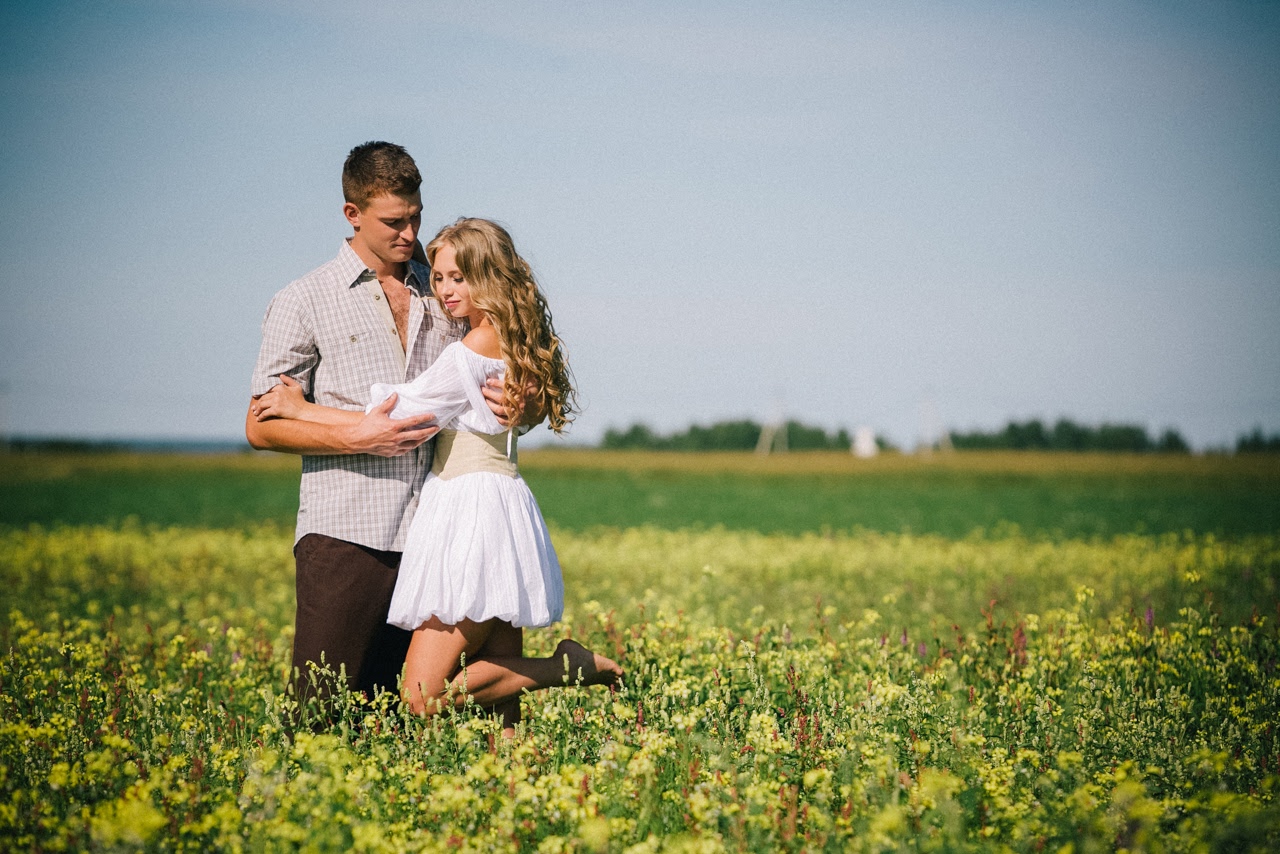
{"x": 459, "y": 452}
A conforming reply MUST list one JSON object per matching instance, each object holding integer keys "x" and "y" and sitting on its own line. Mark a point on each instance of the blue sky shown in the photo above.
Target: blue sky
{"x": 898, "y": 215}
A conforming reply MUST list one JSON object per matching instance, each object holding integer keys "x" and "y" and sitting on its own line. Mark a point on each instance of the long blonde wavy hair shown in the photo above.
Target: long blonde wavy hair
{"x": 503, "y": 287}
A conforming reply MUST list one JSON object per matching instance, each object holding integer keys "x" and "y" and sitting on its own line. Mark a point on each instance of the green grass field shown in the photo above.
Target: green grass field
{"x": 1063, "y": 495}
{"x": 970, "y": 652}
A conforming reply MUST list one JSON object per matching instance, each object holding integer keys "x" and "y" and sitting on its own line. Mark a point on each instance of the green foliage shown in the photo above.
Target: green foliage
{"x": 1257, "y": 443}
{"x": 924, "y": 674}
{"x": 1171, "y": 442}
{"x": 1066, "y": 435}
{"x": 140, "y": 703}
{"x": 922, "y": 496}
{"x": 214, "y": 491}
{"x": 723, "y": 436}
{"x": 1061, "y": 495}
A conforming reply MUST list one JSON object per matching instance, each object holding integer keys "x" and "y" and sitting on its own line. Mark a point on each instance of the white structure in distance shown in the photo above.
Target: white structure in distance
{"x": 864, "y": 443}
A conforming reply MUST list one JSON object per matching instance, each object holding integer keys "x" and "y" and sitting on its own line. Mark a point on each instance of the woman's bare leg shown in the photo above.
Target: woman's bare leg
{"x": 434, "y": 679}
{"x": 433, "y": 663}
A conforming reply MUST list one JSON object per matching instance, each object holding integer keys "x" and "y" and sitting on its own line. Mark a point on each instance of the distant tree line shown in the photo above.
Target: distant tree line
{"x": 65, "y": 445}
{"x": 1062, "y": 435}
{"x": 1066, "y": 435}
{"x": 723, "y": 436}
{"x": 22, "y": 445}
{"x": 1256, "y": 443}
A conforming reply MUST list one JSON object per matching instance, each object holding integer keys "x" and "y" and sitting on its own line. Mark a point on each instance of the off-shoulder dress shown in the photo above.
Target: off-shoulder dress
{"x": 477, "y": 547}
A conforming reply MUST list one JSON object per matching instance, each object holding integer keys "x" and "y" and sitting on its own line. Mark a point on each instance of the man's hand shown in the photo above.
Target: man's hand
{"x": 515, "y": 413}
{"x": 324, "y": 430}
{"x": 379, "y": 434}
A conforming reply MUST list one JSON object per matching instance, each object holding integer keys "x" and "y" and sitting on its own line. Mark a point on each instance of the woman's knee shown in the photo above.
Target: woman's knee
{"x": 425, "y": 701}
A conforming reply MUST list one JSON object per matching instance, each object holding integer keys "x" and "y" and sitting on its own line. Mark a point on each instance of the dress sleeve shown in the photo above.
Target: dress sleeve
{"x": 447, "y": 389}
{"x": 478, "y": 370}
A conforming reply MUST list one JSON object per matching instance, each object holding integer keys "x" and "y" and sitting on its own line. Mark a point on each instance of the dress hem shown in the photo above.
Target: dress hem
{"x": 453, "y": 621}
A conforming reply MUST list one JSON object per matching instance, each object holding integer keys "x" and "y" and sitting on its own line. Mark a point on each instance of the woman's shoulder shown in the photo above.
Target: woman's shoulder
{"x": 483, "y": 341}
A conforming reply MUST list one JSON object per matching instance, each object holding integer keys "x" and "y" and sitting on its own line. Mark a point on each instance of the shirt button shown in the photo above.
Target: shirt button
{"x": 377, "y": 296}
{"x": 353, "y": 339}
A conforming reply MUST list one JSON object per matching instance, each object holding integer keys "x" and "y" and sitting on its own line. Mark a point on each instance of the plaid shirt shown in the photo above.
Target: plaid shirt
{"x": 329, "y": 332}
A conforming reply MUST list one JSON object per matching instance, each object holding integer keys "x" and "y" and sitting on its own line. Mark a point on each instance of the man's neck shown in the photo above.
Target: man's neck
{"x": 397, "y": 270}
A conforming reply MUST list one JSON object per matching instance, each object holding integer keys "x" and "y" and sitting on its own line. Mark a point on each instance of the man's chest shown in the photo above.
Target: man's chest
{"x": 362, "y": 337}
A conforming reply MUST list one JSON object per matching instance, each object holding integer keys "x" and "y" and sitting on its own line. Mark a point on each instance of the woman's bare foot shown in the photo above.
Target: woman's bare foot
{"x": 585, "y": 667}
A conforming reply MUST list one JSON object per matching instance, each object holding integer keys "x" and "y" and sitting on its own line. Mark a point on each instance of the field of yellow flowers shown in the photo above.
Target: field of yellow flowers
{"x": 852, "y": 691}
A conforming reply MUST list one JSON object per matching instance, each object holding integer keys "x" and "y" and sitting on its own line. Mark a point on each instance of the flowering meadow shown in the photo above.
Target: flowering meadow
{"x": 860, "y": 691}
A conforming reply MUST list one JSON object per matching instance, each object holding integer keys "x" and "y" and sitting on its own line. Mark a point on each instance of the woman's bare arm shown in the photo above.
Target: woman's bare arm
{"x": 287, "y": 401}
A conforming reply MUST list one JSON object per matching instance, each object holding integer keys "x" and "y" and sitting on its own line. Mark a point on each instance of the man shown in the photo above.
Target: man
{"x": 367, "y": 316}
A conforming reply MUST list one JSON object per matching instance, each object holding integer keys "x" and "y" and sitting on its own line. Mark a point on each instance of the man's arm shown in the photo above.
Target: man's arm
{"x": 374, "y": 432}
{"x": 289, "y": 348}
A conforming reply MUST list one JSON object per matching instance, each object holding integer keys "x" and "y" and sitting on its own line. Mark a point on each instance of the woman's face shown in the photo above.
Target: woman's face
{"x": 449, "y": 283}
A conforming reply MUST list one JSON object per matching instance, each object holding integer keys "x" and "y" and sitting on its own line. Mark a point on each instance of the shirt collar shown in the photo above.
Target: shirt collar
{"x": 353, "y": 271}
{"x": 419, "y": 278}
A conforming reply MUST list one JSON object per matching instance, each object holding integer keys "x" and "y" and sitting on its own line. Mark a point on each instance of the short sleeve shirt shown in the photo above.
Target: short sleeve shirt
{"x": 330, "y": 332}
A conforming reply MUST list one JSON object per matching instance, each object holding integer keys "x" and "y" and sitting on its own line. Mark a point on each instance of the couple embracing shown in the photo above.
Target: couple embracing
{"x": 402, "y": 378}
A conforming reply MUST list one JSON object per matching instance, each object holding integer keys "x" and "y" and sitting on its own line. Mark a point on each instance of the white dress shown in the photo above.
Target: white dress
{"x": 477, "y": 546}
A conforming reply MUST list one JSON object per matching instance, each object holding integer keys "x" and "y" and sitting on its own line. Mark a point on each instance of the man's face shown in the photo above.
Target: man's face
{"x": 386, "y": 227}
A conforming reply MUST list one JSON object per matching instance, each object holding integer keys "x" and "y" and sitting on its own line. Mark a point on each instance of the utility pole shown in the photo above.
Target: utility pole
{"x": 773, "y": 436}
{"x": 4, "y": 416}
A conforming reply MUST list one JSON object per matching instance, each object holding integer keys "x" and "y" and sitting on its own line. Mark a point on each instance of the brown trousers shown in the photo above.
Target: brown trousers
{"x": 344, "y": 591}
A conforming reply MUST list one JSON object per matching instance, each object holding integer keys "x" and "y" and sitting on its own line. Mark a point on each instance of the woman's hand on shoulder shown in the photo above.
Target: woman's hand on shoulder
{"x": 484, "y": 340}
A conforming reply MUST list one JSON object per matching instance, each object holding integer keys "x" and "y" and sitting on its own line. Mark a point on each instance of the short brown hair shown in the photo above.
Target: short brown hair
{"x": 376, "y": 168}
